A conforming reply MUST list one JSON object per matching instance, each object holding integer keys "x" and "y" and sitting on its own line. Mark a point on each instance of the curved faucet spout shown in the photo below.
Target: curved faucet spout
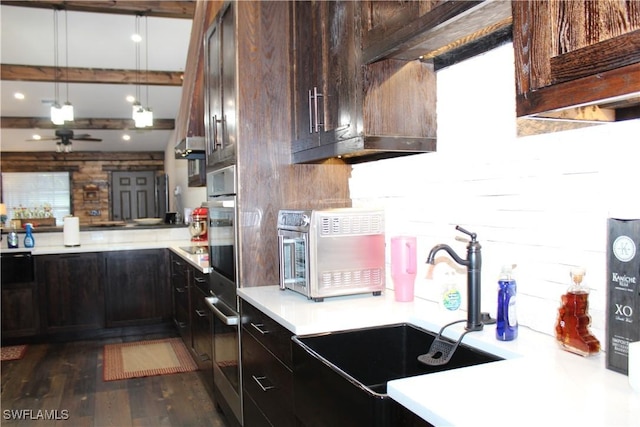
{"x": 442, "y": 247}
{"x": 474, "y": 265}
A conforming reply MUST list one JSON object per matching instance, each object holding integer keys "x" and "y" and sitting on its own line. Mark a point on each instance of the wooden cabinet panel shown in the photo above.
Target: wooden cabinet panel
{"x": 266, "y": 370}
{"x": 180, "y": 291}
{"x": 19, "y": 310}
{"x": 71, "y": 292}
{"x": 136, "y": 287}
{"x": 577, "y": 54}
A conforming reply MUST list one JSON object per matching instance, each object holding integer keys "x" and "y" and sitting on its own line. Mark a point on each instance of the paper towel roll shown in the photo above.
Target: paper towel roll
{"x": 634, "y": 365}
{"x": 71, "y": 231}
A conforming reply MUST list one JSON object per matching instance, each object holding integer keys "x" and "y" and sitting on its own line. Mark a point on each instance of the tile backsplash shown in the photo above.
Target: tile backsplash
{"x": 540, "y": 202}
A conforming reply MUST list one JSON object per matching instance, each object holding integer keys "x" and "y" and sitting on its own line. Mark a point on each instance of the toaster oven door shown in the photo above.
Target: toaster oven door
{"x": 294, "y": 260}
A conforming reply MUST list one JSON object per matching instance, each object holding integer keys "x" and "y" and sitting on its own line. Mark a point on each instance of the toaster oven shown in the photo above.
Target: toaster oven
{"x": 332, "y": 252}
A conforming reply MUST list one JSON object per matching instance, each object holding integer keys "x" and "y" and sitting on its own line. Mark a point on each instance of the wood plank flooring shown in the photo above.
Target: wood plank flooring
{"x": 61, "y": 385}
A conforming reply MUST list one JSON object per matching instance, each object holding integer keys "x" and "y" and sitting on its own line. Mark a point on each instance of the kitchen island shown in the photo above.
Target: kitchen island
{"x": 536, "y": 384}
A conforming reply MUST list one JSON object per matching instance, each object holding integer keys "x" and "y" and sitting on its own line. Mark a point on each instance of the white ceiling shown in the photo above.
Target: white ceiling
{"x": 95, "y": 41}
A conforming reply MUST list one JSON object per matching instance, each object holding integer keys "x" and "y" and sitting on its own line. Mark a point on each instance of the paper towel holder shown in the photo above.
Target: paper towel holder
{"x": 71, "y": 231}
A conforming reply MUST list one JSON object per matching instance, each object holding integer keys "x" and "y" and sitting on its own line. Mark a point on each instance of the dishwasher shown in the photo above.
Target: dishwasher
{"x": 17, "y": 267}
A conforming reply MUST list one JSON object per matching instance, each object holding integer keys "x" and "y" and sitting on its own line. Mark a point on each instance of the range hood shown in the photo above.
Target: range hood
{"x": 190, "y": 148}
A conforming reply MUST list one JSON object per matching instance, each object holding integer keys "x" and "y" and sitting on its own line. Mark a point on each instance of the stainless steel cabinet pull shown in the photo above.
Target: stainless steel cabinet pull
{"x": 200, "y": 279}
{"x": 260, "y": 381}
{"x": 201, "y": 313}
{"x": 310, "y": 111}
{"x": 180, "y": 290}
{"x": 259, "y": 327}
{"x": 314, "y": 122}
{"x": 182, "y": 325}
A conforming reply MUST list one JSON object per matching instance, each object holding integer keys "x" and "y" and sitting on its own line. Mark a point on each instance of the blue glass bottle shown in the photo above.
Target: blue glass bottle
{"x": 506, "y": 322}
{"x": 29, "y": 242}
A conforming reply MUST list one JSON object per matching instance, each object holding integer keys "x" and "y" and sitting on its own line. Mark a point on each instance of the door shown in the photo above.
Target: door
{"x": 133, "y": 195}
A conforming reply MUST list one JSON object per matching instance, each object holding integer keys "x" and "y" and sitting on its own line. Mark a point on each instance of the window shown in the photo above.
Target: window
{"x": 38, "y": 194}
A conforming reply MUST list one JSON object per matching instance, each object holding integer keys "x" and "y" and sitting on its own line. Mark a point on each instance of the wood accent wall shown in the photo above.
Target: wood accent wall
{"x": 87, "y": 169}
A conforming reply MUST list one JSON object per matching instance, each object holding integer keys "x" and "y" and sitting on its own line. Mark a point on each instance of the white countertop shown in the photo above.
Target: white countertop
{"x": 538, "y": 384}
{"x": 118, "y": 240}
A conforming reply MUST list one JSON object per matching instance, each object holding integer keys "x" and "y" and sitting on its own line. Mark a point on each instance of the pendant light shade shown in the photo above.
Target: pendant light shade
{"x": 57, "y": 114}
{"x": 142, "y": 116}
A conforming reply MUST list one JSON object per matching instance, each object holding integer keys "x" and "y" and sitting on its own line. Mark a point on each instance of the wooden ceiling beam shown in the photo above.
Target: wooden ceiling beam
{"x": 160, "y": 8}
{"x": 86, "y": 123}
{"x": 33, "y": 73}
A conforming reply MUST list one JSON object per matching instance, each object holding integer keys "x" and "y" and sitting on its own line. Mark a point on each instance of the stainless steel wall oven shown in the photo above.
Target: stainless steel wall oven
{"x": 223, "y": 302}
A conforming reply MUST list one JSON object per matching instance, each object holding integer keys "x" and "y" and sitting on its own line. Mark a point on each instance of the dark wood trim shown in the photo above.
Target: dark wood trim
{"x": 597, "y": 58}
{"x": 81, "y": 123}
{"x": 592, "y": 89}
{"x": 166, "y": 9}
{"x": 46, "y": 156}
{"x": 43, "y": 73}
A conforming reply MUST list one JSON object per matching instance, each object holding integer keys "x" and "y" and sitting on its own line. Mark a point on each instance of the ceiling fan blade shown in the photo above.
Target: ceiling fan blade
{"x": 85, "y": 139}
{"x": 50, "y": 138}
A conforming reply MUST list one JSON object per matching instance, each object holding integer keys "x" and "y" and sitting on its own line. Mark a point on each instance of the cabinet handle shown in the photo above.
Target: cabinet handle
{"x": 180, "y": 290}
{"x": 201, "y": 313}
{"x": 217, "y": 143}
{"x": 259, "y": 327}
{"x": 260, "y": 381}
{"x": 310, "y": 111}
{"x": 182, "y": 325}
{"x": 199, "y": 279}
{"x": 204, "y": 357}
{"x": 316, "y": 95}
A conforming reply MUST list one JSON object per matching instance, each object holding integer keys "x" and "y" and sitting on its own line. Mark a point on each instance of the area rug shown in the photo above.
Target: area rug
{"x": 14, "y": 352}
{"x": 146, "y": 358}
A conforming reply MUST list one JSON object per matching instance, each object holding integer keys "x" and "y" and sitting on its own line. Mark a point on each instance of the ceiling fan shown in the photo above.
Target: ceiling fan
{"x": 64, "y": 138}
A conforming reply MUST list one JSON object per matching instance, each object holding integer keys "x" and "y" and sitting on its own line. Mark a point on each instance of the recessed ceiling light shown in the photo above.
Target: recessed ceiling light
{"x": 36, "y": 137}
{"x": 18, "y": 95}
{"x": 131, "y": 99}
{"x": 136, "y": 38}
{"x": 126, "y": 137}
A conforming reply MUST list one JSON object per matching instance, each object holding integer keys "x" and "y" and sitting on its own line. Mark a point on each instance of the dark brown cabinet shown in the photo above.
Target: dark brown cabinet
{"x": 344, "y": 108}
{"x": 577, "y": 59}
{"x": 71, "y": 292}
{"x": 266, "y": 370}
{"x": 180, "y": 297}
{"x": 19, "y": 308}
{"x": 136, "y": 287}
{"x": 220, "y": 89}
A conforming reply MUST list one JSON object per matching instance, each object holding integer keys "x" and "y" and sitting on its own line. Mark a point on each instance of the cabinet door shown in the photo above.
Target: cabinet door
{"x": 136, "y": 287}
{"x": 71, "y": 292}
{"x": 19, "y": 310}
{"x": 220, "y": 89}
{"x": 571, "y": 53}
{"x": 213, "y": 93}
{"x": 180, "y": 298}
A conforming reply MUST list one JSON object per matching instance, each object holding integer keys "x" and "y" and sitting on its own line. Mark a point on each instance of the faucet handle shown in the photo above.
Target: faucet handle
{"x": 468, "y": 233}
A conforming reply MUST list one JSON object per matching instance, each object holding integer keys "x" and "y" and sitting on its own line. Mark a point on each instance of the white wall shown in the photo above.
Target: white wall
{"x": 540, "y": 202}
{"x": 190, "y": 197}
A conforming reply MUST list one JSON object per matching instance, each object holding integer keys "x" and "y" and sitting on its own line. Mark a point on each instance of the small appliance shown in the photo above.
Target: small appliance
{"x": 332, "y": 252}
{"x": 198, "y": 225}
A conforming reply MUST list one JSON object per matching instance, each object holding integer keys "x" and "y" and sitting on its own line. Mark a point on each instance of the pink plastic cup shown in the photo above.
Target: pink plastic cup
{"x": 403, "y": 267}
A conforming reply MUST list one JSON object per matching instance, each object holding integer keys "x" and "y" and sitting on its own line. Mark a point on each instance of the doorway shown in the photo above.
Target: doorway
{"x": 133, "y": 195}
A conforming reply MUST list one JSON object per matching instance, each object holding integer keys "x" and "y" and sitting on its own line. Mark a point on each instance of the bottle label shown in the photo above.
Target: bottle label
{"x": 511, "y": 316}
{"x": 451, "y": 299}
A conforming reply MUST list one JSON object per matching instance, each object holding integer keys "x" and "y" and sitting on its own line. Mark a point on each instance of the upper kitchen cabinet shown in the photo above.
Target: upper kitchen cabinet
{"x": 344, "y": 109}
{"x": 577, "y": 59}
{"x": 220, "y": 89}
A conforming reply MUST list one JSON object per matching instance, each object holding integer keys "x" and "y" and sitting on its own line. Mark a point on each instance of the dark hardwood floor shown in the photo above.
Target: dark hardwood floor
{"x": 65, "y": 380}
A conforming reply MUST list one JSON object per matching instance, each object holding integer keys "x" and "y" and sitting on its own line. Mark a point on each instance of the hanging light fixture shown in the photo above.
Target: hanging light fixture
{"x": 60, "y": 114}
{"x": 142, "y": 116}
{"x": 57, "y": 116}
{"x": 67, "y": 108}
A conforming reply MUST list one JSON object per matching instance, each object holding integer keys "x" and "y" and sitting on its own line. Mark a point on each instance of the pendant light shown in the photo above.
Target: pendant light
{"x": 67, "y": 108}
{"x": 57, "y": 116}
{"x": 60, "y": 114}
{"x": 142, "y": 116}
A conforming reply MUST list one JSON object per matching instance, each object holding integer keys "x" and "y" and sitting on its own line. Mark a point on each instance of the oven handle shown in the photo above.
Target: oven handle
{"x": 227, "y": 320}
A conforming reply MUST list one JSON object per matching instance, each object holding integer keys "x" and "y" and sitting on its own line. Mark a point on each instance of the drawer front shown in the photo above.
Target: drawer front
{"x": 276, "y": 338}
{"x": 268, "y": 382}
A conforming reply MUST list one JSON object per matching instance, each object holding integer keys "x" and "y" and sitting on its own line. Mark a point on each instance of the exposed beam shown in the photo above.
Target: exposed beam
{"x": 89, "y": 75}
{"x": 87, "y": 123}
{"x": 161, "y": 8}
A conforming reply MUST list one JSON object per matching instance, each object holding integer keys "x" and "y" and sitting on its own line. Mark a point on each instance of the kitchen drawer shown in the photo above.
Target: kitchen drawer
{"x": 268, "y": 382}
{"x": 268, "y": 332}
